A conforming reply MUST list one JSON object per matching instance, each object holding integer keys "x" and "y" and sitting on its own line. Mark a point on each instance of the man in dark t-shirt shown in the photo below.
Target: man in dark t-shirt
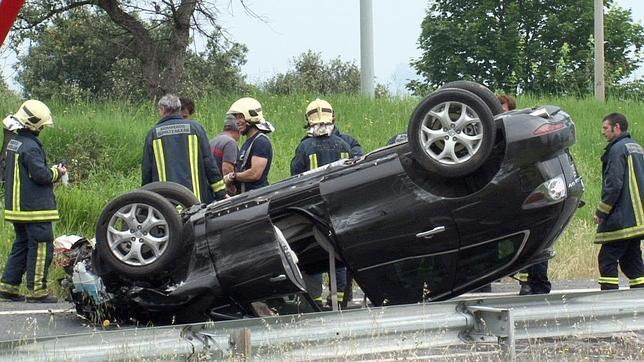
{"x": 256, "y": 154}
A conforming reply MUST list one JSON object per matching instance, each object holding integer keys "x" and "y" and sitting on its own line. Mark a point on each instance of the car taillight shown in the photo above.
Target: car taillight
{"x": 548, "y": 193}
{"x": 548, "y": 128}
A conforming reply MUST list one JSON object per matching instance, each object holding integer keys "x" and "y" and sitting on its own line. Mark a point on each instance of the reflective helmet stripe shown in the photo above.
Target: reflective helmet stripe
{"x": 327, "y": 110}
{"x": 32, "y": 118}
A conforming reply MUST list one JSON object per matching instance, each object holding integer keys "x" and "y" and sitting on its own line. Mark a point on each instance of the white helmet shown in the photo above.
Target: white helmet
{"x": 319, "y": 111}
{"x": 252, "y": 111}
{"x": 34, "y": 115}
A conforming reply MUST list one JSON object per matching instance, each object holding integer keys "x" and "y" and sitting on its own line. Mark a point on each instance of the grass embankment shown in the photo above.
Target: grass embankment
{"x": 102, "y": 143}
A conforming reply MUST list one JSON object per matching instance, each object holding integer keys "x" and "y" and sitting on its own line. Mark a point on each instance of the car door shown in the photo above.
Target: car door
{"x": 251, "y": 257}
{"x": 398, "y": 240}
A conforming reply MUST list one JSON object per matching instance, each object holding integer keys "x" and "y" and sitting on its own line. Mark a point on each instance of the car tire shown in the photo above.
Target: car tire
{"x": 148, "y": 222}
{"x": 177, "y": 194}
{"x": 481, "y": 91}
{"x": 451, "y": 132}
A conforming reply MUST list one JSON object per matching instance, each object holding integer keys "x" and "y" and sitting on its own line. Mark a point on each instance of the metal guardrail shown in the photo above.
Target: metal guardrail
{"x": 364, "y": 333}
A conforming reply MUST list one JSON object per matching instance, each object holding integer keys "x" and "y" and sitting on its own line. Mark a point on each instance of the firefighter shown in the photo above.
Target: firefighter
{"x": 30, "y": 205}
{"x": 620, "y": 214}
{"x": 177, "y": 150}
{"x": 319, "y": 147}
{"x": 256, "y": 154}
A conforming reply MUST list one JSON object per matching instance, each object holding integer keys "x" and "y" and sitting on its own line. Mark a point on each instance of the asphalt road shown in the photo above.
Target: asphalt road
{"x": 22, "y": 321}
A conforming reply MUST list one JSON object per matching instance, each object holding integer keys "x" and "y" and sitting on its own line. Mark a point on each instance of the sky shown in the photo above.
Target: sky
{"x": 332, "y": 27}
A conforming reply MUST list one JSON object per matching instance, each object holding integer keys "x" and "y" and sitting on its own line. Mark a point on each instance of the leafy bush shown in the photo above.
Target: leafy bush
{"x": 314, "y": 75}
{"x": 629, "y": 90}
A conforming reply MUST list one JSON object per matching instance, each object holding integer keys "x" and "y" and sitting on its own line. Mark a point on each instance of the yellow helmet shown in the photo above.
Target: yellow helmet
{"x": 34, "y": 115}
{"x": 319, "y": 111}
{"x": 252, "y": 111}
{"x": 250, "y": 108}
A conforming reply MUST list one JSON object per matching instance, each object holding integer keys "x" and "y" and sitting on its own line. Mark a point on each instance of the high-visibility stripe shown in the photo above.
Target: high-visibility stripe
{"x": 40, "y": 215}
{"x": 344, "y": 155}
{"x": 635, "y": 193}
{"x": 16, "y": 184}
{"x": 604, "y": 207}
{"x": 9, "y": 288}
{"x": 313, "y": 161}
{"x": 636, "y": 199}
{"x": 37, "y": 293}
{"x": 523, "y": 277}
{"x": 608, "y": 280}
{"x": 39, "y": 274}
{"x": 193, "y": 152}
{"x": 627, "y": 233}
{"x": 218, "y": 186}
{"x": 159, "y": 157}
{"x": 636, "y": 281}
{"x": 54, "y": 174}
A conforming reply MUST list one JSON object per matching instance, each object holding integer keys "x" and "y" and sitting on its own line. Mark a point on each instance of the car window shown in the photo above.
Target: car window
{"x": 483, "y": 258}
{"x": 414, "y": 279}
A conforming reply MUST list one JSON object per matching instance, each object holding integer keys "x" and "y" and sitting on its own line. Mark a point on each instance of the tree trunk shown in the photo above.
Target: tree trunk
{"x": 170, "y": 77}
{"x": 159, "y": 81}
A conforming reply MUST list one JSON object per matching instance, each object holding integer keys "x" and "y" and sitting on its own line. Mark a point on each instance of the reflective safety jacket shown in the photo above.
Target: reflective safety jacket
{"x": 356, "y": 148}
{"x": 621, "y": 208}
{"x": 177, "y": 150}
{"x": 29, "y": 192}
{"x": 314, "y": 152}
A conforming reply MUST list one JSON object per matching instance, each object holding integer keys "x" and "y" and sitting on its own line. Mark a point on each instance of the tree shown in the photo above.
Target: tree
{"x": 313, "y": 75}
{"x": 72, "y": 56}
{"x": 6, "y": 94}
{"x": 159, "y": 31}
{"x": 216, "y": 69}
{"x": 539, "y": 46}
{"x": 83, "y": 54}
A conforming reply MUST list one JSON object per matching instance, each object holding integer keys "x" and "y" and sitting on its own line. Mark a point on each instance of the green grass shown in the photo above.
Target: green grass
{"x": 103, "y": 144}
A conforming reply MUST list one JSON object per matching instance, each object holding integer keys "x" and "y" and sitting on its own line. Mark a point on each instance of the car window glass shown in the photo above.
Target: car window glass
{"x": 474, "y": 262}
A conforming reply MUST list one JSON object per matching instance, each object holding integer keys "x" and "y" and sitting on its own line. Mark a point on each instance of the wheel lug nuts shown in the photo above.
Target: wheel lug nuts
{"x": 133, "y": 239}
{"x": 453, "y": 126}
{"x": 446, "y": 138}
{"x": 454, "y": 139}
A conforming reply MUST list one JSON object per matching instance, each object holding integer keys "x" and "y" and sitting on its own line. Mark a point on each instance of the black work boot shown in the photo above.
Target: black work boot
{"x": 14, "y": 297}
{"x": 525, "y": 289}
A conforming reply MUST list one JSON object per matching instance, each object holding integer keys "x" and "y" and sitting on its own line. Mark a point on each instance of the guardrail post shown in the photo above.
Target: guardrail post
{"x": 240, "y": 345}
{"x": 493, "y": 321}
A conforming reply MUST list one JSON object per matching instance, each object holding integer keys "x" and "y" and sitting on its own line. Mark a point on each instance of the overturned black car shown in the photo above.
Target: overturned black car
{"x": 474, "y": 195}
